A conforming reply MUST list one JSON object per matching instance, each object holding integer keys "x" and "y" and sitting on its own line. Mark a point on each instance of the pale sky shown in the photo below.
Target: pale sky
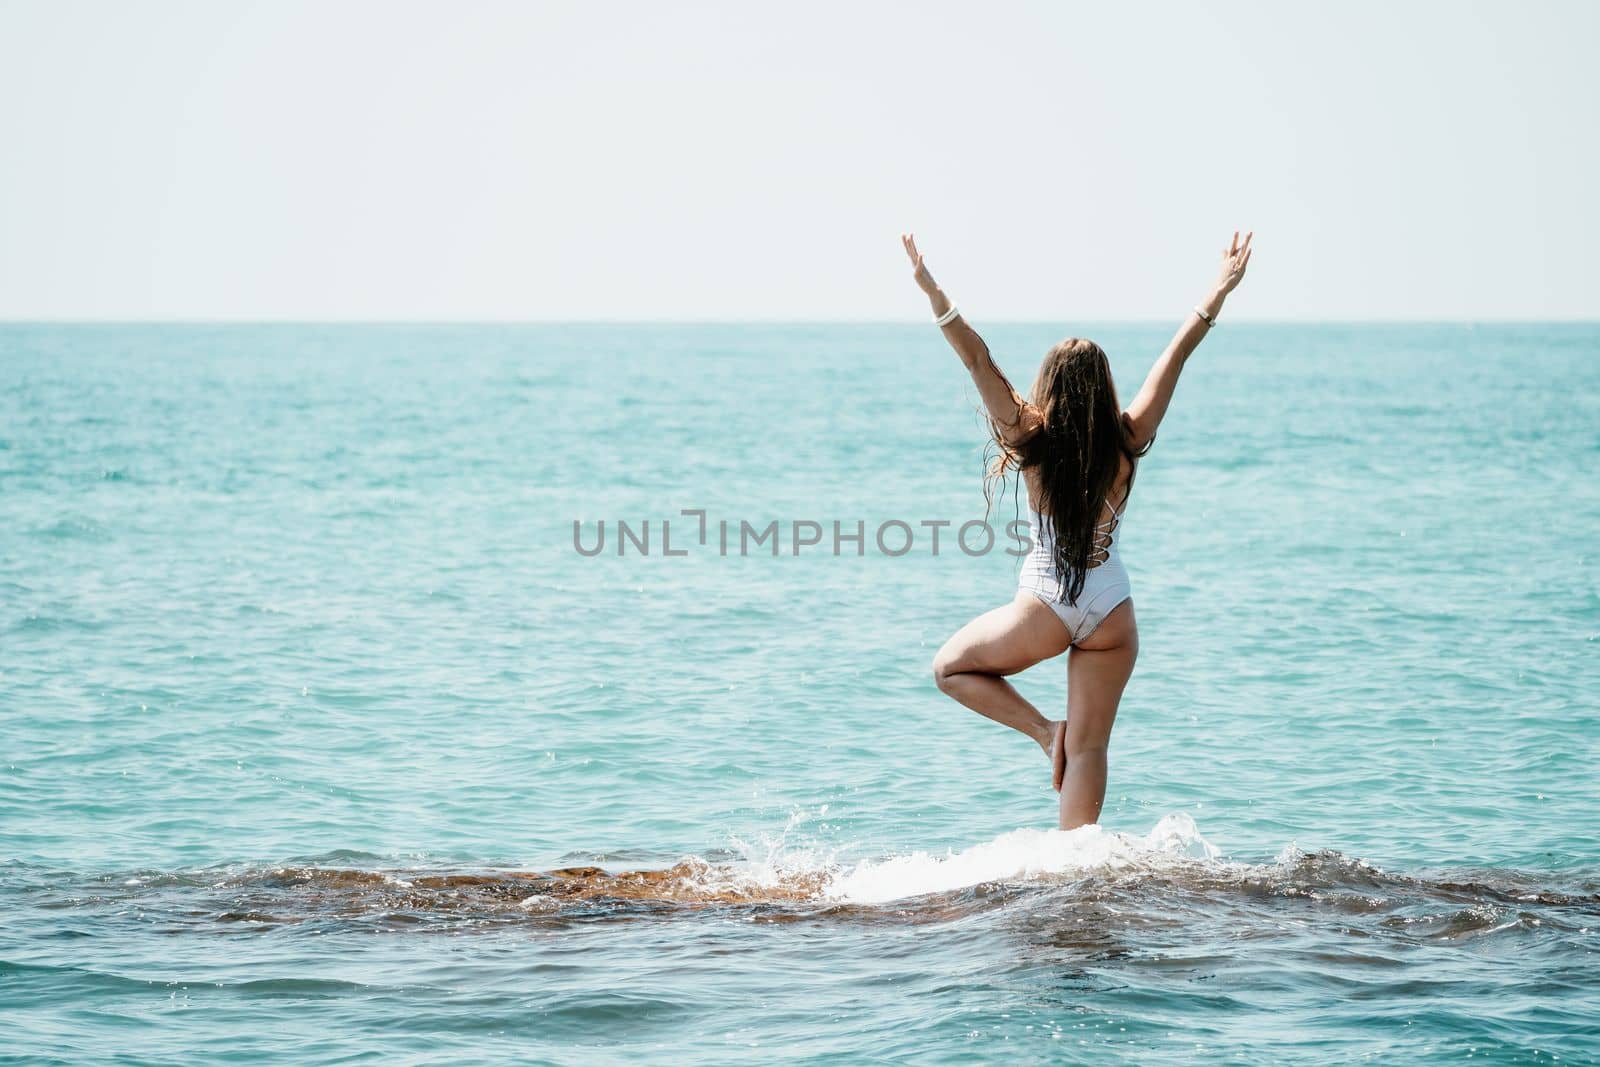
{"x": 618, "y": 160}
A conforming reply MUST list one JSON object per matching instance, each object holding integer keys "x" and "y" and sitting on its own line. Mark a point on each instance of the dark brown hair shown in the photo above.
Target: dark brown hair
{"x": 1074, "y": 435}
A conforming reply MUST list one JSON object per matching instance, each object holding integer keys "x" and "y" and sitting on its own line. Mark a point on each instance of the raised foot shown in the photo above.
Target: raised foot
{"x": 1056, "y": 749}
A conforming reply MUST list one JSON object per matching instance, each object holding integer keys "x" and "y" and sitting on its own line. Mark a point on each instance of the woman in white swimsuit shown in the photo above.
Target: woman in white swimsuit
{"x": 1076, "y": 449}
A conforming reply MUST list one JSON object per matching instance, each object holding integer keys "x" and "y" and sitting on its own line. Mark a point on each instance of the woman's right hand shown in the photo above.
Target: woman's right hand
{"x": 923, "y": 278}
{"x": 1234, "y": 260}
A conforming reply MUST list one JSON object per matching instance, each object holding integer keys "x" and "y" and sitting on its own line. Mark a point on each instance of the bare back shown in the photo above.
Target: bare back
{"x": 1119, "y": 490}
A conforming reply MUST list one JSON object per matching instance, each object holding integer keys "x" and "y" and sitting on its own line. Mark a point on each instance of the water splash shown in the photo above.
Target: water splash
{"x": 1021, "y": 855}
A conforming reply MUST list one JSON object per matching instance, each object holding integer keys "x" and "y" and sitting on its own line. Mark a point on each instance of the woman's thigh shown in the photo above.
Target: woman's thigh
{"x": 1006, "y": 640}
{"x": 1096, "y": 676}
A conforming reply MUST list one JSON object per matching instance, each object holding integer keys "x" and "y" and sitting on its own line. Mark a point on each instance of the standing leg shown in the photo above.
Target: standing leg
{"x": 1097, "y": 672}
{"x": 972, "y": 664}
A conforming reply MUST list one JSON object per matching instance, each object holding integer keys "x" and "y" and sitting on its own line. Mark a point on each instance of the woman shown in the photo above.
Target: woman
{"x": 1076, "y": 450}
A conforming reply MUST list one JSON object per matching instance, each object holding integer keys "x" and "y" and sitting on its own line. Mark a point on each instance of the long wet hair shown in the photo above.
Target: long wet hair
{"x": 1074, "y": 436}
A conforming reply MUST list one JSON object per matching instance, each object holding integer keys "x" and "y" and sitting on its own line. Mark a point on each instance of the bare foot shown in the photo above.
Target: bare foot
{"x": 1058, "y": 754}
{"x": 1053, "y": 743}
{"x": 1047, "y": 736}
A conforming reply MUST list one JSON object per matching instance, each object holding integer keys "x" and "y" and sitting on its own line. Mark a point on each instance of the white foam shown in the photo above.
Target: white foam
{"x": 776, "y": 861}
{"x": 1019, "y": 855}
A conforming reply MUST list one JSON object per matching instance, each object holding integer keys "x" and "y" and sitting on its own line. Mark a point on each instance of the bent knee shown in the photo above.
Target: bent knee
{"x": 944, "y": 667}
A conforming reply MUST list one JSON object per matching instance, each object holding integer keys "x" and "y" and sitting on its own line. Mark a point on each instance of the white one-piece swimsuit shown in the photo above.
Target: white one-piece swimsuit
{"x": 1105, "y": 584}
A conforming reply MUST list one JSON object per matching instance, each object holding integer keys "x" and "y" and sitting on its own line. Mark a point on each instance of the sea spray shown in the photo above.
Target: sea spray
{"x": 1020, "y": 854}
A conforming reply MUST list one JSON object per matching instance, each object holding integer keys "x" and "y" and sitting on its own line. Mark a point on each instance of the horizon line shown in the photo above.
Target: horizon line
{"x": 998, "y": 321}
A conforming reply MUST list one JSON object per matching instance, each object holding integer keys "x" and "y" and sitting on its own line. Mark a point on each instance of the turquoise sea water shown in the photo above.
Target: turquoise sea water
{"x": 323, "y": 743}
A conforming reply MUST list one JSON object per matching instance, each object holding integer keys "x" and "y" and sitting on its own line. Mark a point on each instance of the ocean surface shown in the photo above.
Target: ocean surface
{"x": 324, "y": 739}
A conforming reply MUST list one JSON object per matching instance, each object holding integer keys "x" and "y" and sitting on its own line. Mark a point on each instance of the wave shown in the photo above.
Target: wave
{"x": 1172, "y": 865}
{"x": 1022, "y": 855}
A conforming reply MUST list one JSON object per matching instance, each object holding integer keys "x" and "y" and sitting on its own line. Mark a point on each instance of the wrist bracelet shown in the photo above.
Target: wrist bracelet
{"x": 1207, "y": 319}
{"x": 948, "y": 317}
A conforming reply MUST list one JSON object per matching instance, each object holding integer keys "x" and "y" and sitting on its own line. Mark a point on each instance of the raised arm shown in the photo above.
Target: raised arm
{"x": 1010, "y": 412}
{"x": 1148, "y": 408}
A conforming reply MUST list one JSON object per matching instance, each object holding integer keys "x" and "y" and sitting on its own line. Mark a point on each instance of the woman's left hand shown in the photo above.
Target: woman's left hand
{"x": 923, "y": 278}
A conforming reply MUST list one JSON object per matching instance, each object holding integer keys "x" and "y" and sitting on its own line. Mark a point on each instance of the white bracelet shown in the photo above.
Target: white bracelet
{"x": 1207, "y": 319}
{"x": 948, "y": 317}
